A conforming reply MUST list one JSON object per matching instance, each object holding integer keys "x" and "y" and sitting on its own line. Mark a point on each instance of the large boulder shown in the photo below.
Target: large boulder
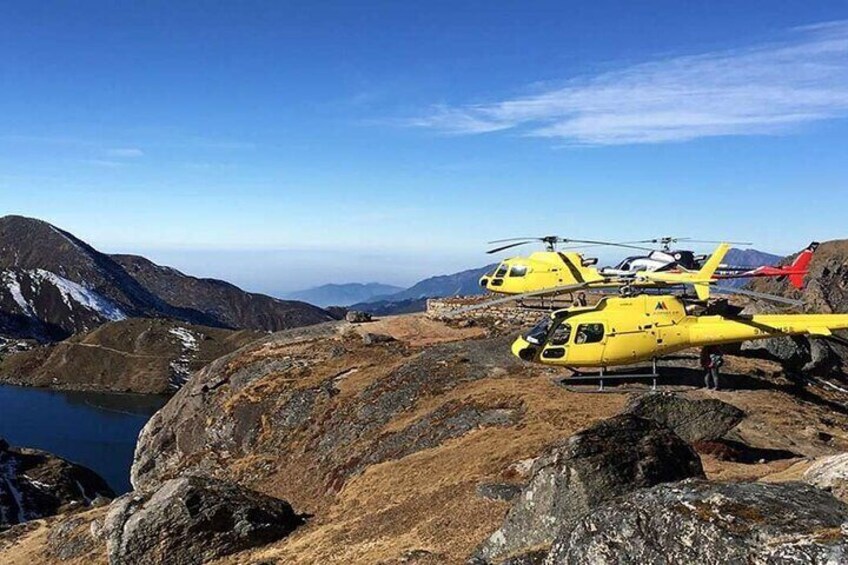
{"x": 35, "y": 484}
{"x": 193, "y": 520}
{"x": 692, "y": 420}
{"x": 831, "y": 474}
{"x": 697, "y": 521}
{"x": 591, "y": 467}
{"x": 357, "y": 317}
{"x": 795, "y": 354}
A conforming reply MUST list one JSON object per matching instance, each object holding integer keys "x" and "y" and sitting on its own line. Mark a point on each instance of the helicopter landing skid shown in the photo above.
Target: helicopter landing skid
{"x": 579, "y": 378}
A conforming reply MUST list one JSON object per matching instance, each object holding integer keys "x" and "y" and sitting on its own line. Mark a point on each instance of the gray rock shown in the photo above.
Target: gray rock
{"x": 192, "y": 520}
{"x": 35, "y": 484}
{"x": 70, "y": 538}
{"x": 692, "y": 420}
{"x": 831, "y": 474}
{"x": 357, "y": 317}
{"x": 793, "y": 353}
{"x": 499, "y": 491}
{"x": 373, "y": 339}
{"x": 607, "y": 460}
{"x": 697, "y": 521}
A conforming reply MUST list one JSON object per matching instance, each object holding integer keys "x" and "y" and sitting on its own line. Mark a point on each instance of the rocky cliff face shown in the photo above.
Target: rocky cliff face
{"x": 35, "y": 484}
{"x": 825, "y": 291}
{"x": 826, "y": 288}
{"x": 53, "y": 284}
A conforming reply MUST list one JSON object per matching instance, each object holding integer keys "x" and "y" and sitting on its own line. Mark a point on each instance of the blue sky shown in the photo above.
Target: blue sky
{"x": 285, "y": 144}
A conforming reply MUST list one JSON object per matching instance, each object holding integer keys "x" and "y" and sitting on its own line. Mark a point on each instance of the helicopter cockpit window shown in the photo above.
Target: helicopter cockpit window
{"x": 560, "y": 335}
{"x": 501, "y": 272}
{"x": 589, "y": 333}
{"x": 518, "y": 271}
{"x": 625, "y": 265}
{"x": 539, "y": 332}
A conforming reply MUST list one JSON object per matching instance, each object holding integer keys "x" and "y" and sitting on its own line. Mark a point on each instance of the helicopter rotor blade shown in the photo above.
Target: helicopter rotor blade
{"x": 762, "y": 296}
{"x": 514, "y": 239}
{"x": 714, "y": 241}
{"x": 592, "y": 242}
{"x": 504, "y": 247}
{"x": 839, "y": 340}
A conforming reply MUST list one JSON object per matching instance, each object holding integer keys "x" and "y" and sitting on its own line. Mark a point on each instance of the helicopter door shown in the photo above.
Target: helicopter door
{"x": 629, "y": 346}
{"x": 588, "y": 344}
{"x": 555, "y": 346}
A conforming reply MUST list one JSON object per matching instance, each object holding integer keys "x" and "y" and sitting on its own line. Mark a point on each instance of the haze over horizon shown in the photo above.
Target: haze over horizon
{"x": 286, "y": 146}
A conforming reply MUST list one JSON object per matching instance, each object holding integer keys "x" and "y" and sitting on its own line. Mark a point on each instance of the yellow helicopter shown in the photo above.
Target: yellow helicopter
{"x": 624, "y": 330}
{"x": 553, "y": 272}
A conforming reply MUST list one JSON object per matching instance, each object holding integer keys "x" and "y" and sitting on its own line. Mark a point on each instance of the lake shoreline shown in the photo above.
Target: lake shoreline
{"x": 98, "y": 430}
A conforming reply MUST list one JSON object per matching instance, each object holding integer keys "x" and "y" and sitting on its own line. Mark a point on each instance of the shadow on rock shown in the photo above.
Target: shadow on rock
{"x": 591, "y": 467}
{"x": 193, "y": 520}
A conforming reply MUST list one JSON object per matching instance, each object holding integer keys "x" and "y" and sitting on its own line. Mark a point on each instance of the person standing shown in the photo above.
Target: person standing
{"x": 711, "y": 361}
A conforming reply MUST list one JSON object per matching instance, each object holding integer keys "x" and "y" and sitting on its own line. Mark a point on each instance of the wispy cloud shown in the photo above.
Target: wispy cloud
{"x": 125, "y": 152}
{"x": 764, "y": 89}
{"x": 106, "y": 163}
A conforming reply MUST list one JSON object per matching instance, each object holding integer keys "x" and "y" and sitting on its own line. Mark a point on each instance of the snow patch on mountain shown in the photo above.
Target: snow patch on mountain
{"x": 187, "y": 338}
{"x": 10, "y": 279}
{"x": 180, "y": 367}
{"x": 75, "y": 293}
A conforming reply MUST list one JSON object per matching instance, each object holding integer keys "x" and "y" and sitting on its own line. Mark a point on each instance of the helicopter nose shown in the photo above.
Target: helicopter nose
{"x": 484, "y": 282}
{"x": 522, "y": 349}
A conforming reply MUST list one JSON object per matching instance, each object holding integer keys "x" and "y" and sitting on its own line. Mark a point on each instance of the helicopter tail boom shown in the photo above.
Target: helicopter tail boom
{"x": 715, "y": 330}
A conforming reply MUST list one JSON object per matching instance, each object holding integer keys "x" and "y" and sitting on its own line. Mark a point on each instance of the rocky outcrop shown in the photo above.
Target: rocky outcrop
{"x": 357, "y": 317}
{"x": 217, "y": 413}
{"x": 825, "y": 291}
{"x": 701, "y": 522}
{"x": 193, "y": 520}
{"x": 830, "y": 474}
{"x": 35, "y": 484}
{"x": 607, "y": 460}
{"x": 692, "y": 420}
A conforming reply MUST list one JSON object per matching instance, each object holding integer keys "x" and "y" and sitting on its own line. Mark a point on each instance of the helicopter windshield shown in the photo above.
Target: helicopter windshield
{"x": 625, "y": 265}
{"x": 502, "y": 269}
{"x": 539, "y": 332}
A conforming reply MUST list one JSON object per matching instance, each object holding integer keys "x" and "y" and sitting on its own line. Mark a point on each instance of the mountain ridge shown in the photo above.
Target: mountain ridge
{"x": 53, "y": 285}
{"x": 342, "y": 294}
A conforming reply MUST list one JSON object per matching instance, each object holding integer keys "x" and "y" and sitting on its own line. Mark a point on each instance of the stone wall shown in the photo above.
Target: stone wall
{"x": 507, "y": 312}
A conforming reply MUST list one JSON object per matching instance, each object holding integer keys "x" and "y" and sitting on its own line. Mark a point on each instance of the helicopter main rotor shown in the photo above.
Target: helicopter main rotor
{"x": 552, "y": 241}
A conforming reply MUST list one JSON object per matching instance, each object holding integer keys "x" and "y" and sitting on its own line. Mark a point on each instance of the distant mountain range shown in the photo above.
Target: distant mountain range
{"x": 747, "y": 258}
{"x": 750, "y": 258}
{"x": 53, "y": 285}
{"x": 414, "y": 298}
{"x": 343, "y": 294}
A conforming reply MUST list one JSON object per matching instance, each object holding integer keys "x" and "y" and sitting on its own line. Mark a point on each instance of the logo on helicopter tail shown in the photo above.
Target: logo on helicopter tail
{"x": 660, "y": 306}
